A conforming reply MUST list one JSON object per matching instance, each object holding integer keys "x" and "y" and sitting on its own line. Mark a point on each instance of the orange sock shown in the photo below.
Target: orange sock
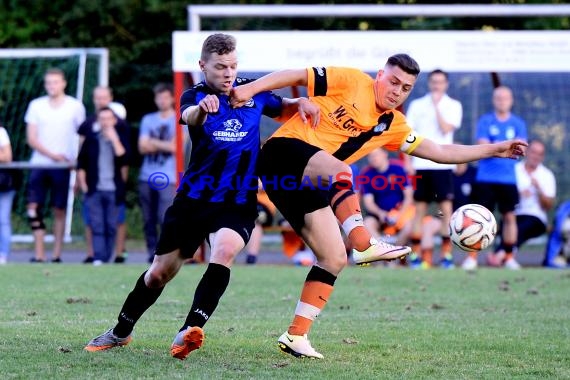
{"x": 314, "y": 297}
{"x": 473, "y": 255}
{"x": 427, "y": 256}
{"x": 346, "y": 208}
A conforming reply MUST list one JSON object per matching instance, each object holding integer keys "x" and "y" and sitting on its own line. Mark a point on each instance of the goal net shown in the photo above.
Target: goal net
{"x": 21, "y": 80}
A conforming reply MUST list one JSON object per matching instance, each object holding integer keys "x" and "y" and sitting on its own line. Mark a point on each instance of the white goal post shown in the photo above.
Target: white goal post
{"x": 81, "y": 54}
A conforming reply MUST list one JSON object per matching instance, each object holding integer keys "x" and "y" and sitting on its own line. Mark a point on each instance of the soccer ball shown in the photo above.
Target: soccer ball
{"x": 472, "y": 227}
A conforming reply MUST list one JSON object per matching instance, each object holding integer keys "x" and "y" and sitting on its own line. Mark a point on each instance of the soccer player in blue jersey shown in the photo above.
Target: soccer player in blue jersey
{"x": 216, "y": 199}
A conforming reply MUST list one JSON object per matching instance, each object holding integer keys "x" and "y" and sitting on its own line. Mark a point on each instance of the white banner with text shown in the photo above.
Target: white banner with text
{"x": 459, "y": 51}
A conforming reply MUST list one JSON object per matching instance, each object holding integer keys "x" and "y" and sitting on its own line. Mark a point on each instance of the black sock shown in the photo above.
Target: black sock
{"x": 208, "y": 293}
{"x": 138, "y": 301}
{"x": 250, "y": 259}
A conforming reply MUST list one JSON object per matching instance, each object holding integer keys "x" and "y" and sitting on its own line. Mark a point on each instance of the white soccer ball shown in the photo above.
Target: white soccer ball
{"x": 472, "y": 227}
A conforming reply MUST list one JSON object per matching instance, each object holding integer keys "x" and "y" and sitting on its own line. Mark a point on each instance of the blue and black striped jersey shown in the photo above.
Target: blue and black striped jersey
{"x": 222, "y": 165}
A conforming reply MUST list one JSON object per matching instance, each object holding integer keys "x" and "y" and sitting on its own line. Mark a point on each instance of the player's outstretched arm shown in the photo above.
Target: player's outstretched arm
{"x": 458, "y": 154}
{"x": 278, "y": 79}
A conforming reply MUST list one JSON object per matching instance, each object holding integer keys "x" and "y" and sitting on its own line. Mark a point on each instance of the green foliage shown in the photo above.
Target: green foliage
{"x": 379, "y": 323}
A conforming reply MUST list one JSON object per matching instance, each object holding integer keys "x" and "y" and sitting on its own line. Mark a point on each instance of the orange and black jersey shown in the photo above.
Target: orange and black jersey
{"x": 350, "y": 125}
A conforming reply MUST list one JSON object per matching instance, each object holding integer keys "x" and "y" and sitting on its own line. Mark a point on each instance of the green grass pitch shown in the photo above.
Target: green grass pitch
{"x": 379, "y": 323}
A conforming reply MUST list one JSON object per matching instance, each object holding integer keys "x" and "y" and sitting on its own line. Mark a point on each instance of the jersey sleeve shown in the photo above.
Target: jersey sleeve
{"x": 411, "y": 142}
{"x": 272, "y": 105}
{"x": 187, "y": 100}
{"x": 330, "y": 81}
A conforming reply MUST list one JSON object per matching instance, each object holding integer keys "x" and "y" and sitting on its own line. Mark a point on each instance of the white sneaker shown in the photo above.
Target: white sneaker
{"x": 298, "y": 346}
{"x": 512, "y": 264}
{"x": 379, "y": 251}
{"x": 469, "y": 263}
{"x": 3, "y": 260}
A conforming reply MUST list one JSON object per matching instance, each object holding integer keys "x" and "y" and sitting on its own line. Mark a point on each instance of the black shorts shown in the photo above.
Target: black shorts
{"x": 281, "y": 164}
{"x": 188, "y": 222}
{"x": 56, "y": 181}
{"x": 434, "y": 186}
{"x": 491, "y": 195}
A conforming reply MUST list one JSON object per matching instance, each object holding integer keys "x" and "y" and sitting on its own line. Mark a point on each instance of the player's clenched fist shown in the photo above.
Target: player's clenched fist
{"x": 240, "y": 95}
{"x": 209, "y": 104}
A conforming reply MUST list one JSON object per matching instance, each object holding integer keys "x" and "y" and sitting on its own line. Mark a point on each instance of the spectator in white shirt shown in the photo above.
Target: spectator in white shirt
{"x": 52, "y": 122}
{"x": 435, "y": 116}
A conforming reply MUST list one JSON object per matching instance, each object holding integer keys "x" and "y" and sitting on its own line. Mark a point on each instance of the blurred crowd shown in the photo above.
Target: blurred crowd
{"x": 414, "y": 211}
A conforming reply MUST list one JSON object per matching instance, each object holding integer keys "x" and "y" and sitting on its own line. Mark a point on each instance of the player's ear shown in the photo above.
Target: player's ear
{"x": 202, "y": 65}
{"x": 380, "y": 73}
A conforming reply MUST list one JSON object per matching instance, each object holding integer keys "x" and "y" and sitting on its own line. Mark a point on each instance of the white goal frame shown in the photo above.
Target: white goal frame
{"x": 103, "y": 80}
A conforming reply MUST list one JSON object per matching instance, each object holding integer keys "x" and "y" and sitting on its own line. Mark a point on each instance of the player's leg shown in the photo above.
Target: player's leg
{"x": 324, "y": 169}
{"x": 147, "y": 289}
{"x": 372, "y": 224}
{"x": 322, "y": 235}
{"x": 232, "y": 229}
{"x": 171, "y": 249}
{"x": 254, "y": 245}
{"x": 327, "y": 171}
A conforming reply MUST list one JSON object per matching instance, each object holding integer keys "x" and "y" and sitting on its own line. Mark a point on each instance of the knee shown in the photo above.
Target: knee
{"x": 343, "y": 171}
{"x": 35, "y": 219}
{"x": 334, "y": 264}
{"x": 224, "y": 253}
{"x": 156, "y": 277}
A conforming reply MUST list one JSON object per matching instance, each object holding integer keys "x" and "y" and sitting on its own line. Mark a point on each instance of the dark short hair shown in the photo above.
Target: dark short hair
{"x": 55, "y": 71}
{"x": 106, "y": 108}
{"x": 218, "y": 43}
{"x": 438, "y": 71}
{"x": 163, "y": 87}
{"x": 536, "y": 140}
{"x": 404, "y": 62}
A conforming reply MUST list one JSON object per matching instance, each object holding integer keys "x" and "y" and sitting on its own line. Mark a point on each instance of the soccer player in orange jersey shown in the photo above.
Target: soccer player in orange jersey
{"x": 313, "y": 187}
